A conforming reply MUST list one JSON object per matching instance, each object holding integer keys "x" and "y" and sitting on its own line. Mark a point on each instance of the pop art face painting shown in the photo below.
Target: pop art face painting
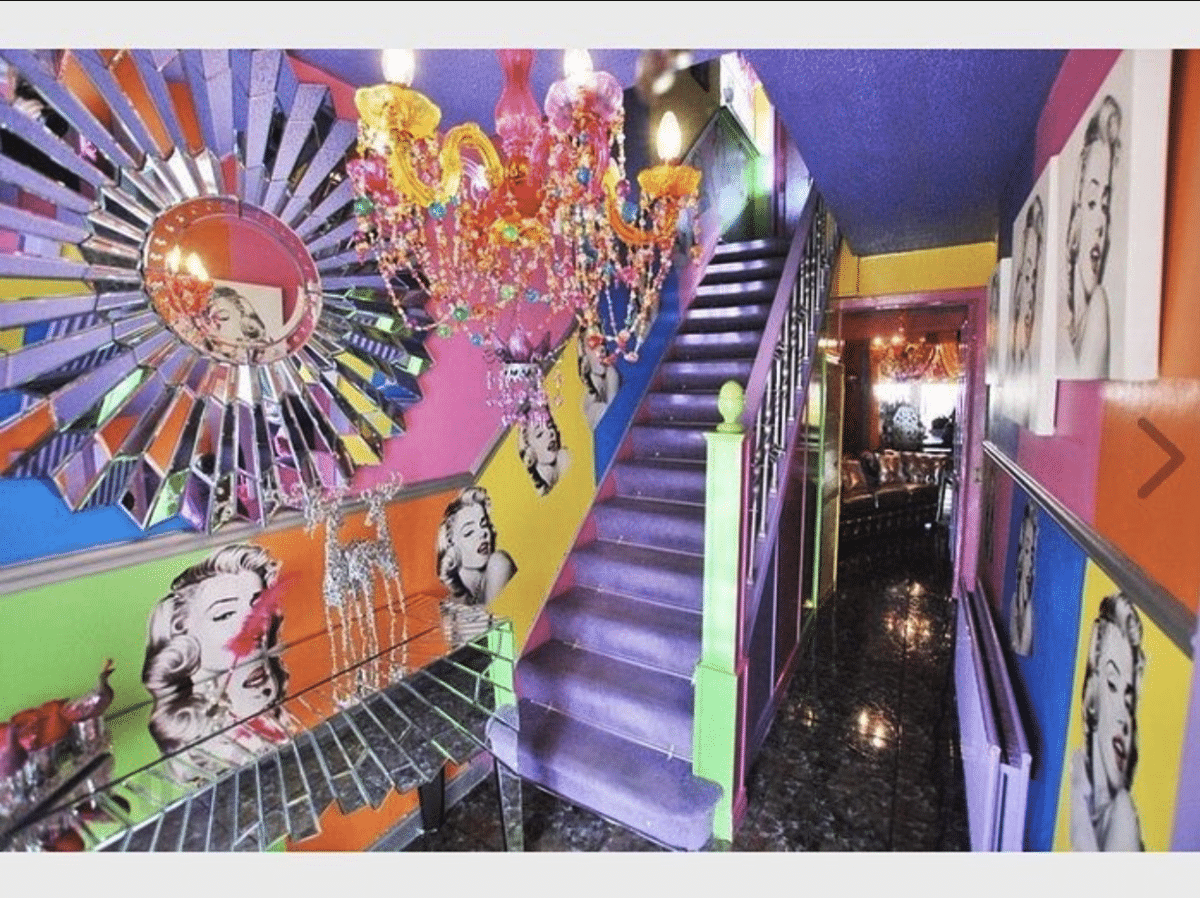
{"x": 212, "y": 666}
{"x": 1111, "y": 207}
{"x": 1126, "y": 729}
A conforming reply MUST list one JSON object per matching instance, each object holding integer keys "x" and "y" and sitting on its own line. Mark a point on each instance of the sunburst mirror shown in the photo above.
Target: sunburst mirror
{"x": 188, "y": 328}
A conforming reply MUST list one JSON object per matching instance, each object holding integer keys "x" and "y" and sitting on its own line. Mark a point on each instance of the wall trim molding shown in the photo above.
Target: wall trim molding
{"x": 71, "y": 565}
{"x": 1173, "y": 618}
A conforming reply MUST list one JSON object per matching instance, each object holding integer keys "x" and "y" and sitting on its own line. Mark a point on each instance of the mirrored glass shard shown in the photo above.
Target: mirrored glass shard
{"x": 30, "y": 310}
{"x": 33, "y": 181}
{"x": 331, "y": 241}
{"x": 23, "y": 221}
{"x": 255, "y": 183}
{"x": 333, "y": 150}
{"x": 340, "y": 197}
{"x": 248, "y": 475}
{"x": 211, "y": 82}
{"x": 118, "y": 102}
{"x": 297, "y": 128}
{"x": 44, "y": 141}
{"x": 86, "y": 390}
{"x": 36, "y": 267}
{"x": 159, "y": 93}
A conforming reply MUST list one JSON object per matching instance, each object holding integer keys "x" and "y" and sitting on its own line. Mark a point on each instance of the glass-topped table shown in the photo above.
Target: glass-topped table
{"x": 350, "y": 739}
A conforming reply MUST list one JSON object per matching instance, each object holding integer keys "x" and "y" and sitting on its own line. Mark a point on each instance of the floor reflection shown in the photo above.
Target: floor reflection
{"x": 863, "y": 754}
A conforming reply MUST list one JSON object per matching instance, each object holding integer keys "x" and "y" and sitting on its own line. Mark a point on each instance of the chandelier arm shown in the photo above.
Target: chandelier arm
{"x": 630, "y": 235}
{"x": 404, "y": 176}
{"x": 468, "y": 134}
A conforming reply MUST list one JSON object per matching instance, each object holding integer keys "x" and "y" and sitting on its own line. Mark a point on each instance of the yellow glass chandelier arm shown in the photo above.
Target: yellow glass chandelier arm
{"x": 630, "y": 235}
{"x": 388, "y": 108}
{"x": 468, "y": 134}
{"x": 405, "y": 179}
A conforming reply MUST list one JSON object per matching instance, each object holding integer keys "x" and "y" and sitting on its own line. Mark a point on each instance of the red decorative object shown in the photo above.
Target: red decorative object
{"x": 94, "y": 703}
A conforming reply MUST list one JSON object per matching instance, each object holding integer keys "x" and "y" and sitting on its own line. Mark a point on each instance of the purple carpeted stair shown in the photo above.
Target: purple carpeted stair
{"x": 606, "y": 704}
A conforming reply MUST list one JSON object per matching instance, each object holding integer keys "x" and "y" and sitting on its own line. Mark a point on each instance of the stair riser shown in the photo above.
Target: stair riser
{"x": 622, "y": 525}
{"x": 675, "y": 486}
{"x": 724, "y": 345}
{"x": 665, "y": 587}
{"x": 738, "y": 319}
{"x": 744, "y": 270}
{"x": 661, "y": 717}
{"x": 666, "y": 442}
{"x": 765, "y": 248}
{"x": 699, "y": 408}
{"x": 605, "y": 625}
{"x": 700, "y": 376}
{"x": 752, "y": 292}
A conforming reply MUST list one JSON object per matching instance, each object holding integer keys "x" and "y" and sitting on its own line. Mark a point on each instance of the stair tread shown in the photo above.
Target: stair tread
{"x": 674, "y": 508}
{"x": 757, "y": 248}
{"x": 649, "y": 706}
{"x": 625, "y": 627}
{"x": 642, "y": 788}
{"x": 644, "y": 556}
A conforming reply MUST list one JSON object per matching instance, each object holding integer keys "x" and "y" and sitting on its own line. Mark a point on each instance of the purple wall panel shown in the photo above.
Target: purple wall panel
{"x": 1186, "y": 835}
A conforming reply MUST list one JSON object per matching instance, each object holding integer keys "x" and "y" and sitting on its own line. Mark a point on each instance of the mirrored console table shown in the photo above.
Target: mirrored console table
{"x": 437, "y": 711}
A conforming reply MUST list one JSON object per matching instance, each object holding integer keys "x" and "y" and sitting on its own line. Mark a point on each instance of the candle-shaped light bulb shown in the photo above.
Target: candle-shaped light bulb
{"x": 670, "y": 140}
{"x": 399, "y": 66}
{"x": 577, "y": 65}
{"x": 173, "y": 259}
{"x": 195, "y": 267}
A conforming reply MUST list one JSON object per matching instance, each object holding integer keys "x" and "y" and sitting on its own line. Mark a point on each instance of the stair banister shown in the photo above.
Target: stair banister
{"x": 741, "y": 484}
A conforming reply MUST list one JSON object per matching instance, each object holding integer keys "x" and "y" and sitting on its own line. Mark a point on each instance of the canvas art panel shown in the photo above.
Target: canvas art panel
{"x": 1122, "y": 766}
{"x": 1040, "y": 612}
{"x": 999, "y": 296}
{"x": 1111, "y": 208}
{"x": 1030, "y": 386}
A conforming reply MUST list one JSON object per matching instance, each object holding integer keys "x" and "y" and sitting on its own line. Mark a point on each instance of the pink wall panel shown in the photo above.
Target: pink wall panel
{"x": 1081, "y": 74}
{"x": 1066, "y": 463}
{"x": 440, "y": 439}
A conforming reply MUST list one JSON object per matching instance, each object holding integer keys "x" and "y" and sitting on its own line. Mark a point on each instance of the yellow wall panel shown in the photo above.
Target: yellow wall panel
{"x": 920, "y": 271}
{"x": 538, "y": 531}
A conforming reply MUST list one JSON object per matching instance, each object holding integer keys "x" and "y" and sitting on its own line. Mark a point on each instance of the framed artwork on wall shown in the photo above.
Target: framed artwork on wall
{"x": 1029, "y": 386}
{"x": 1111, "y": 207}
{"x": 1125, "y": 733}
{"x": 998, "y": 311}
{"x": 1042, "y": 588}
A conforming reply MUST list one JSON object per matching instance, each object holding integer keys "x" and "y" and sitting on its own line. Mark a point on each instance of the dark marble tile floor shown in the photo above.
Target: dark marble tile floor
{"x": 863, "y": 753}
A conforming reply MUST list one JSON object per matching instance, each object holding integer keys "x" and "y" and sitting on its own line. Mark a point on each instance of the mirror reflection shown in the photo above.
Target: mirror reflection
{"x": 231, "y": 280}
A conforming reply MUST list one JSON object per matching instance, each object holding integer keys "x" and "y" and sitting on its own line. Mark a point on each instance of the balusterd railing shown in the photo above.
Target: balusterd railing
{"x": 750, "y": 458}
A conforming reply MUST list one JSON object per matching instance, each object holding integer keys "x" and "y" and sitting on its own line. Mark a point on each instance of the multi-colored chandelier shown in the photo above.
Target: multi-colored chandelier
{"x": 506, "y": 237}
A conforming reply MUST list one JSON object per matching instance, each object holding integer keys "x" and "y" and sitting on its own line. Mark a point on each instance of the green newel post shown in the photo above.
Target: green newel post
{"x": 715, "y": 743}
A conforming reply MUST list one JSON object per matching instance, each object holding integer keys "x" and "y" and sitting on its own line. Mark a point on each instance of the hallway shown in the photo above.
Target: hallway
{"x": 862, "y": 755}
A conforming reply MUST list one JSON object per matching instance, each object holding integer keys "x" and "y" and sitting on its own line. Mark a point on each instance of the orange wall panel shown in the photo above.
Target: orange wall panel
{"x": 1162, "y": 531}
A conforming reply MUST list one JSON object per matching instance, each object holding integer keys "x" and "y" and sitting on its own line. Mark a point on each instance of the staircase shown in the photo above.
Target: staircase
{"x": 606, "y": 703}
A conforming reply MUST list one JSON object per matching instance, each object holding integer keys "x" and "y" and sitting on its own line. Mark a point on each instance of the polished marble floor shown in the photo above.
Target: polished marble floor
{"x": 863, "y": 753}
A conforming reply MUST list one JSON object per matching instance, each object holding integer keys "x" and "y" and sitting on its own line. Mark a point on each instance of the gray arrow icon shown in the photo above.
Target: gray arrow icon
{"x": 1174, "y": 460}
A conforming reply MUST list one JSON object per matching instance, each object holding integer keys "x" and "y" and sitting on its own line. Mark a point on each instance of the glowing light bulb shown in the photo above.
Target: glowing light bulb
{"x": 195, "y": 267}
{"x": 577, "y": 65}
{"x": 670, "y": 140}
{"x": 399, "y": 66}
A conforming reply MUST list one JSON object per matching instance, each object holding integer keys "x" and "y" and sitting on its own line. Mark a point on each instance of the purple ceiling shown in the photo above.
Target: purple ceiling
{"x": 911, "y": 148}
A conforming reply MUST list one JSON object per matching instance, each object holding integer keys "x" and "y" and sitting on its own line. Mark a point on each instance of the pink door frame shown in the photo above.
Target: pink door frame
{"x": 964, "y": 540}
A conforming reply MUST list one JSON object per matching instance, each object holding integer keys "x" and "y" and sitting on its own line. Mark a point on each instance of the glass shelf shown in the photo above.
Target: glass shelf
{"x": 392, "y": 721}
